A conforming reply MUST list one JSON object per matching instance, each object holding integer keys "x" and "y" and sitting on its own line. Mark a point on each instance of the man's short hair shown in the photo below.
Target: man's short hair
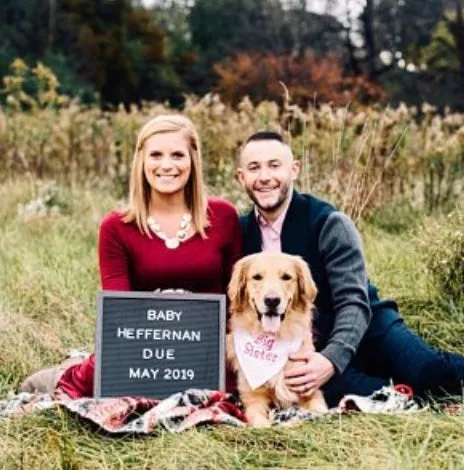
{"x": 266, "y": 135}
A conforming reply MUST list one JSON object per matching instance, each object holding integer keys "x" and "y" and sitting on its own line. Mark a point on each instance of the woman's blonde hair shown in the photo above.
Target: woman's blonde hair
{"x": 139, "y": 188}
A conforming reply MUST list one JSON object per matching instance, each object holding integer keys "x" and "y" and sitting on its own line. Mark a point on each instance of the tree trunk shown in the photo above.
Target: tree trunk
{"x": 51, "y": 24}
{"x": 352, "y": 60}
{"x": 459, "y": 36}
{"x": 367, "y": 18}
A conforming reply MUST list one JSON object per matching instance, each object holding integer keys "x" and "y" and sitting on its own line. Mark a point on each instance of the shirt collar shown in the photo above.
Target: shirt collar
{"x": 276, "y": 225}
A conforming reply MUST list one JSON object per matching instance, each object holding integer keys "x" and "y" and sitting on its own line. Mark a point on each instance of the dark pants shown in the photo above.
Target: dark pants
{"x": 398, "y": 355}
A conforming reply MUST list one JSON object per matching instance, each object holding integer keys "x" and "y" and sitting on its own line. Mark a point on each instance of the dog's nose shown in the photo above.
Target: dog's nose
{"x": 272, "y": 301}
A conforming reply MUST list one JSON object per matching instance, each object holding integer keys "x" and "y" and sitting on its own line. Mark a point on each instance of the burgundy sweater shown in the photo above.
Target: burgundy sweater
{"x": 129, "y": 261}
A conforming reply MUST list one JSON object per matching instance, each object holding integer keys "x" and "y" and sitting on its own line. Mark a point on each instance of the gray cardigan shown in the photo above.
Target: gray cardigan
{"x": 341, "y": 248}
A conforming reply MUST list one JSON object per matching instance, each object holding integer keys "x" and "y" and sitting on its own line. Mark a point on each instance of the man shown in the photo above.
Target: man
{"x": 362, "y": 341}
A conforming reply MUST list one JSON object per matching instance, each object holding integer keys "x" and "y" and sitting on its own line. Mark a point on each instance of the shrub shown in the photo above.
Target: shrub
{"x": 29, "y": 89}
{"x": 443, "y": 248}
{"x": 396, "y": 217}
{"x": 49, "y": 201}
{"x": 309, "y": 79}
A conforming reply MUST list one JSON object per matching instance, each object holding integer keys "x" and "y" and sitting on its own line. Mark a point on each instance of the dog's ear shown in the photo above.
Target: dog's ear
{"x": 307, "y": 289}
{"x": 237, "y": 285}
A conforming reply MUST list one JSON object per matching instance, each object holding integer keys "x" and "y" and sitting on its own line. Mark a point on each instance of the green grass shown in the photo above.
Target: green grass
{"x": 49, "y": 279}
{"x": 54, "y": 440}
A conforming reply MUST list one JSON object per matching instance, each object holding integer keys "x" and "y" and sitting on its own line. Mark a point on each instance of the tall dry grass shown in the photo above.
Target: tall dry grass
{"x": 358, "y": 158}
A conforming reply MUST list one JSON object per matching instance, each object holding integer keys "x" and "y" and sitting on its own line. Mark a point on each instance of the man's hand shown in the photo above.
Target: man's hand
{"x": 307, "y": 378}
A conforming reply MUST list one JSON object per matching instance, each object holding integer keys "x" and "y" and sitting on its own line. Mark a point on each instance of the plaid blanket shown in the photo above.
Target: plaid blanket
{"x": 138, "y": 415}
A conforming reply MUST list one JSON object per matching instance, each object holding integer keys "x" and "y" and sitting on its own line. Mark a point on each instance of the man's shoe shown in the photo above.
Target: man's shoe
{"x": 390, "y": 399}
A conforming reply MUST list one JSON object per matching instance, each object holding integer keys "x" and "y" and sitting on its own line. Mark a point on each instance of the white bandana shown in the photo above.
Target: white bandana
{"x": 262, "y": 357}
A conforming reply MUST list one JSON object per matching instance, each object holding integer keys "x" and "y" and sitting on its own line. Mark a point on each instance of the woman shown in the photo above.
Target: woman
{"x": 171, "y": 236}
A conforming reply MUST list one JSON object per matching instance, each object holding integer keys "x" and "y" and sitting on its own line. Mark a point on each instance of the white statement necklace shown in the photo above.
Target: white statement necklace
{"x": 181, "y": 234}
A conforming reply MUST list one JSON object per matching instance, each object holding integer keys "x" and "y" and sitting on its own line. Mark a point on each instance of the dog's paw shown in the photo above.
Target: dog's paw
{"x": 316, "y": 403}
{"x": 319, "y": 407}
{"x": 259, "y": 421}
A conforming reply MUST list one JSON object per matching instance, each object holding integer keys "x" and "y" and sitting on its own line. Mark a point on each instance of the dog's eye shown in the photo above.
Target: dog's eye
{"x": 286, "y": 277}
{"x": 257, "y": 277}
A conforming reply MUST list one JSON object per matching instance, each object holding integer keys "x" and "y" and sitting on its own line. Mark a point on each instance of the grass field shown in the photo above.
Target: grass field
{"x": 49, "y": 280}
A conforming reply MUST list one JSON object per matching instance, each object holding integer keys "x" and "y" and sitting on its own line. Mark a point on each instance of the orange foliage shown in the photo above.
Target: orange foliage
{"x": 308, "y": 78}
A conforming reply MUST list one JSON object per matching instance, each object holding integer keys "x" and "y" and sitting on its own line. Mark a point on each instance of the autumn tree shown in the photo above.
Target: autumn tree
{"x": 308, "y": 78}
{"x": 118, "y": 48}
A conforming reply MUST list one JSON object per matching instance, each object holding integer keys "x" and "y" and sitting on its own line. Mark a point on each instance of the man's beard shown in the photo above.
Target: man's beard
{"x": 271, "y": 207}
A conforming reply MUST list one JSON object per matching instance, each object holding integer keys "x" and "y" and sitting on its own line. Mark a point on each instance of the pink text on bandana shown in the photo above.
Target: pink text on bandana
{"x": 261, "y": 348}
{"x": 261, "y": 357}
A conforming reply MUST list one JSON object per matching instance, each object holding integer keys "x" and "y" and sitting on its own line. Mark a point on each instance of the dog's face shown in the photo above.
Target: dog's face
{"x": 274, "y": 286}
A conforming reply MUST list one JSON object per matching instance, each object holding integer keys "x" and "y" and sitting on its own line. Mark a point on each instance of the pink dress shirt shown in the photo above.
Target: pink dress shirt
{"x": 270, "y": 231}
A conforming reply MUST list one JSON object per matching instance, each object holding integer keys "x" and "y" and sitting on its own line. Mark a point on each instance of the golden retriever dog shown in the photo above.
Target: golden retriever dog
{"x": 271, "y": 301}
